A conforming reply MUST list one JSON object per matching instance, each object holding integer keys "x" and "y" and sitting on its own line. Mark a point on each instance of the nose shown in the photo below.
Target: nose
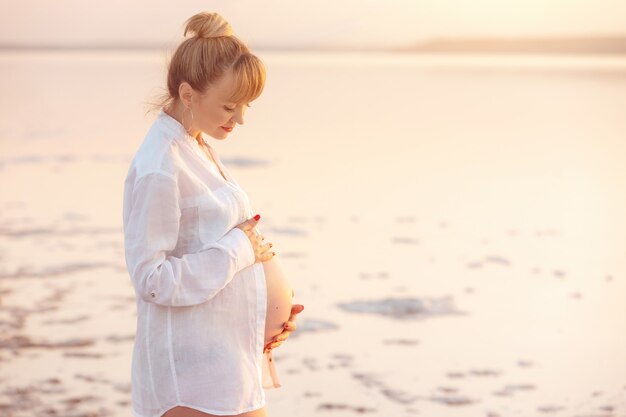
{"x": 239, "y": 114}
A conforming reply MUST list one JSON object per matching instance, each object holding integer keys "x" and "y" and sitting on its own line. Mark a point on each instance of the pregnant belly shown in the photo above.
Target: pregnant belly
{"x": 279, "y": 298}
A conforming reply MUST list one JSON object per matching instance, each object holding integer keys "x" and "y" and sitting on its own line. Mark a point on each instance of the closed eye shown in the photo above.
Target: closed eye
{"x": 233, "y": 109}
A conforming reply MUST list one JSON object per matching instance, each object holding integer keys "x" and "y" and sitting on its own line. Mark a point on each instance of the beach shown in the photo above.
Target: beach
{"x": 453, "y": 224}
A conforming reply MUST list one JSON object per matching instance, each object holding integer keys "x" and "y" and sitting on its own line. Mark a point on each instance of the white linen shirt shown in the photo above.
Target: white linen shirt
{"x": 201, "y": 297}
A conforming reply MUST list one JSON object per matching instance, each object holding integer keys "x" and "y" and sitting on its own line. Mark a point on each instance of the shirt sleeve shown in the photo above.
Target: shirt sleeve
{"x": 151, "y": 227}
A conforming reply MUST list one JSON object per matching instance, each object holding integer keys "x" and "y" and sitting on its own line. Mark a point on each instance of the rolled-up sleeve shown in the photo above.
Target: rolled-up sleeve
{"x": 151, "y": 227}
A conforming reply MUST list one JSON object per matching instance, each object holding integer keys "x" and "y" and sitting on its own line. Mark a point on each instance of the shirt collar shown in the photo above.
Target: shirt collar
{"x": 171, "y": 125}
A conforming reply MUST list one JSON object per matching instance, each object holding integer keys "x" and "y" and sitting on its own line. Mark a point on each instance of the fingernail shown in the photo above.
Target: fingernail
{"x": 257, "y": 217}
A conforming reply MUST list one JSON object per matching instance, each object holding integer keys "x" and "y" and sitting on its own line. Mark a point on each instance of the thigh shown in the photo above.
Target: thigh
{"x": 181, "y": 411}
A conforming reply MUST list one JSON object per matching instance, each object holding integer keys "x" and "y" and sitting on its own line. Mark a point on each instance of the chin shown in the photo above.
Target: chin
{"x": 221, "y": 136}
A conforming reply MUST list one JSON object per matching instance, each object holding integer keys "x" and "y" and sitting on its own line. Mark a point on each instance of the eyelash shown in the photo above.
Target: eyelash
{"x": 232, "y": 110}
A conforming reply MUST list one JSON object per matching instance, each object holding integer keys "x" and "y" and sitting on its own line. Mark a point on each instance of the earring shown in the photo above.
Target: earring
{"x": 183, "y": 119}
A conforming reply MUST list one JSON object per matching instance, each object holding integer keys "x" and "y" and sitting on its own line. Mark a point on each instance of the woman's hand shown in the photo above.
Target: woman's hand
{"x": 288, "y": 327}
{"x": 261, "y": 251}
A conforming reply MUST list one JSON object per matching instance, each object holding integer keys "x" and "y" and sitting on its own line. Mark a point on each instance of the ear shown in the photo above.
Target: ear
{"x": 185, "y": 92}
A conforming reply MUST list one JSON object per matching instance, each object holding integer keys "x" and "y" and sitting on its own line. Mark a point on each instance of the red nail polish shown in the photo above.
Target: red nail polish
{"x": 257, "y": 217}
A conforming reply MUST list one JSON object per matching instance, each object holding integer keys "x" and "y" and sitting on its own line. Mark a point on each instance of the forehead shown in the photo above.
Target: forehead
{"x": 225, "y": 86}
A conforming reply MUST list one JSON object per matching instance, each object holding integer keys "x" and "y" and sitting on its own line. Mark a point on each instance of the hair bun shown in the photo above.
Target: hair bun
{"x": 208, "y": 25}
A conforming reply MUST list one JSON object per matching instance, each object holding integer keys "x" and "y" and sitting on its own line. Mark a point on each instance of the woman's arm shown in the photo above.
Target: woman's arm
{"x": 151, "y": 227}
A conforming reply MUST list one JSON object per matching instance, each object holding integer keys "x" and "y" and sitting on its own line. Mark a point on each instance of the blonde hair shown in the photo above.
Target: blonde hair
{"x": 202, "y": 59}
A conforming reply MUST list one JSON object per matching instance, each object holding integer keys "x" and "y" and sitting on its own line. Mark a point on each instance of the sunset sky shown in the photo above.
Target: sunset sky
{"x": 304, "y": 22}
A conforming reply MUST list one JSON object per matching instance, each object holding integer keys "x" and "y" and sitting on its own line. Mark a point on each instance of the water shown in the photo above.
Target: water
{"x": 495, "y": 183}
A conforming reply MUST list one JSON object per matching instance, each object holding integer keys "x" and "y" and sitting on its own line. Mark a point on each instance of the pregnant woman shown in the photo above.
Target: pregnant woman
{"x": 212, "y": 299}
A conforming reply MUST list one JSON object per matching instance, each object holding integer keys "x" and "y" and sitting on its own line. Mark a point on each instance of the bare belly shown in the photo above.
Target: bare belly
{"x": 181, "y": 411}
{"x": 279, "y": 298}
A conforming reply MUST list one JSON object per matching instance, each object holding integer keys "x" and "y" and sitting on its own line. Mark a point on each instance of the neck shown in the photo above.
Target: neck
{"x": 183, "y": 116}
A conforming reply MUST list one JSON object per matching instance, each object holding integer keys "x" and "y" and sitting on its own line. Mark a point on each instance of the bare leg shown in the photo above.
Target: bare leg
{"x": 181, "y": 411}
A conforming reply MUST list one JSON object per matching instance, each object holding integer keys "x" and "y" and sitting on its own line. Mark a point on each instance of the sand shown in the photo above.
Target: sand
{"x": 460, "y": 250}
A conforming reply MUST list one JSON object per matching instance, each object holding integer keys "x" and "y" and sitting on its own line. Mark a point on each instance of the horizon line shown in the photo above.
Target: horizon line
{"x": 590, "y": 43}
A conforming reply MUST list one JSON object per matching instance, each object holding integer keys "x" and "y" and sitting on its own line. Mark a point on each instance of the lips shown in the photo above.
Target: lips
{"x": 228, "y": 129}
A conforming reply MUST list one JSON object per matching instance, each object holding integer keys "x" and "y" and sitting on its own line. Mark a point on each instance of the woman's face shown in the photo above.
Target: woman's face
{"x": 213, "y": 114}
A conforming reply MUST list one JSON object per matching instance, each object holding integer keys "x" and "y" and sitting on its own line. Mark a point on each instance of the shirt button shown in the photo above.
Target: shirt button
{"x": 153, "y": 294}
